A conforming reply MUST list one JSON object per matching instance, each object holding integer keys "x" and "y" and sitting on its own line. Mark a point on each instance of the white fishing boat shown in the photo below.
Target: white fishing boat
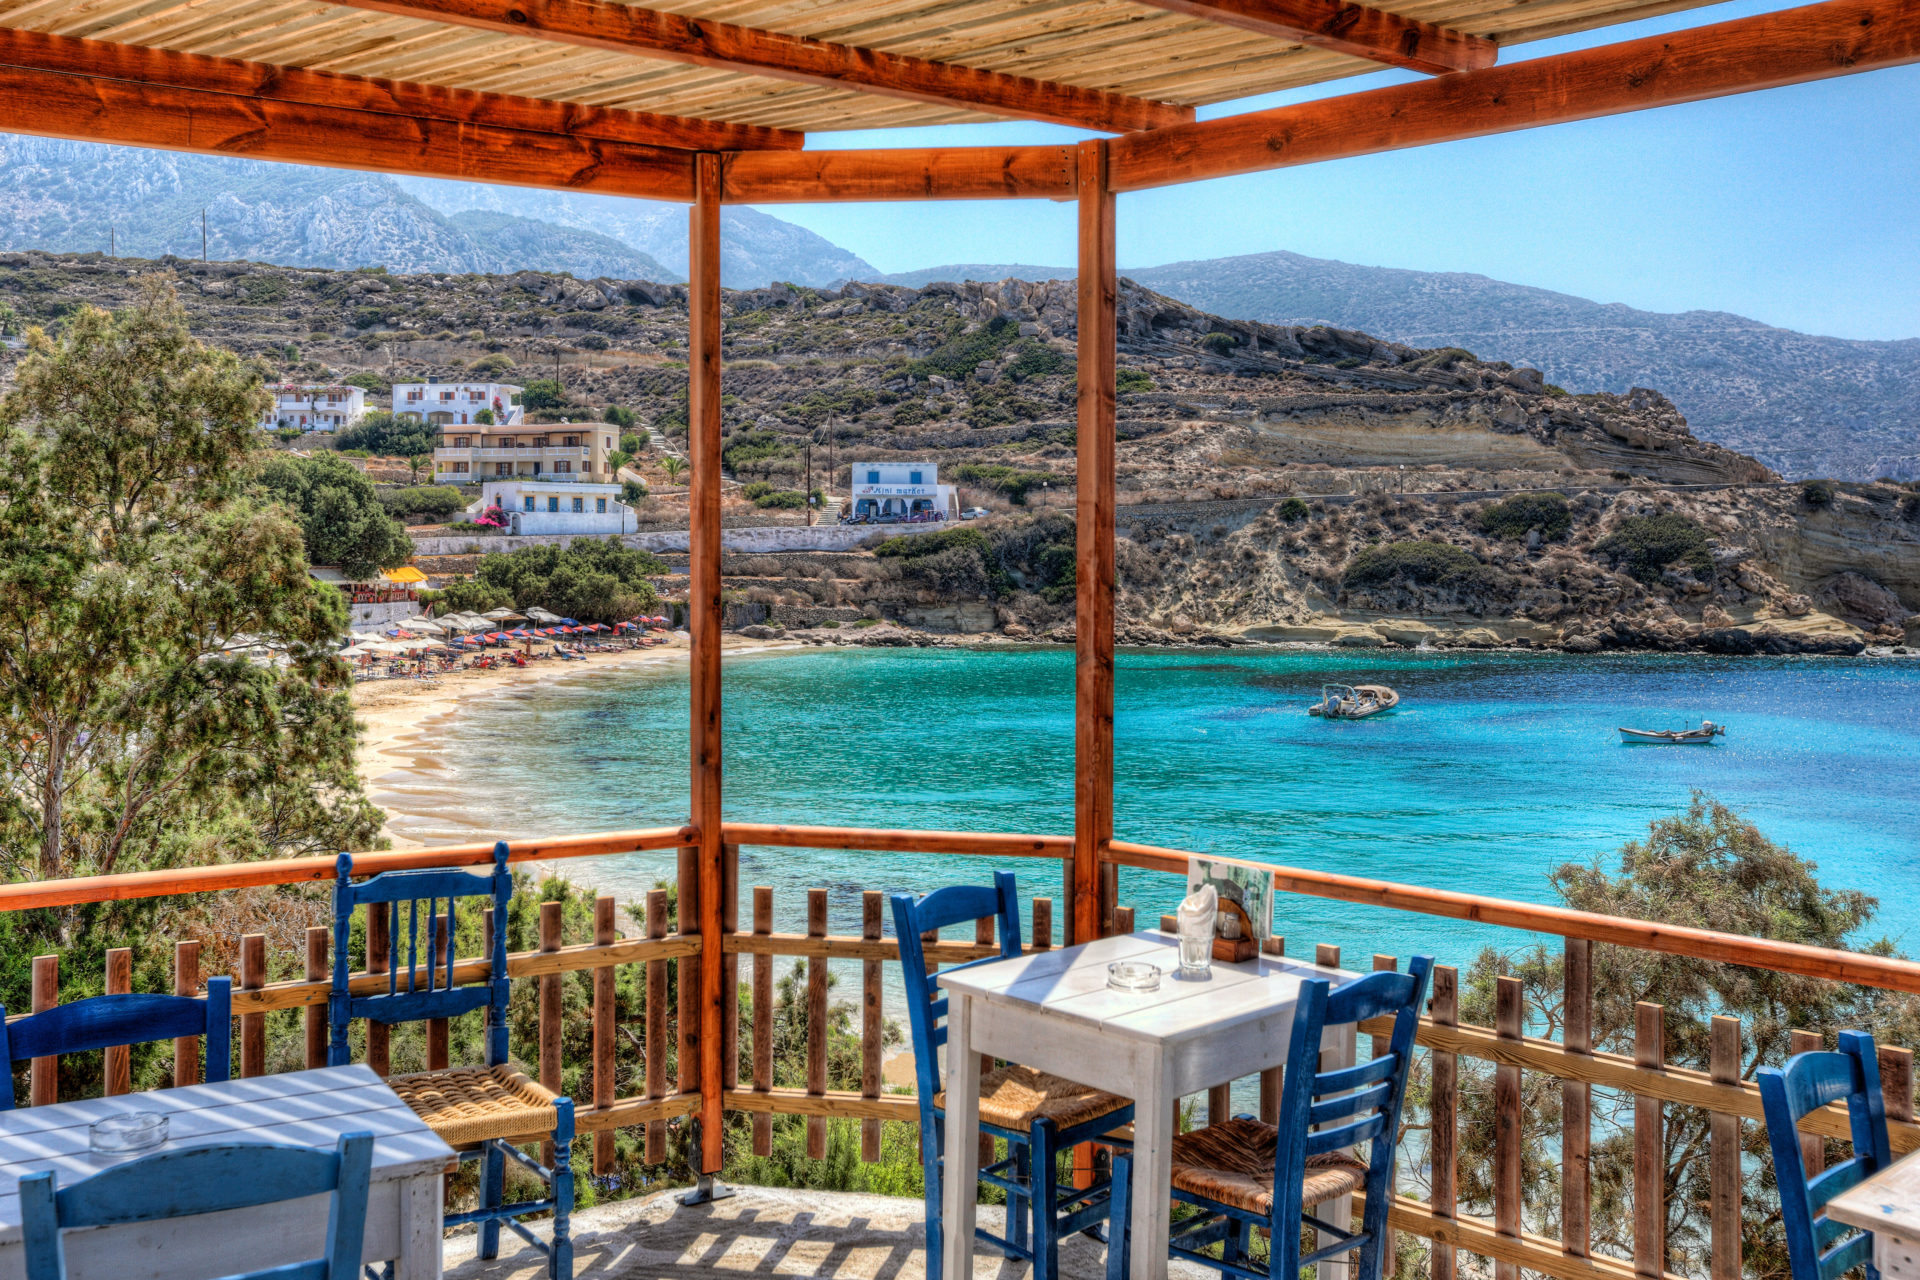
{"x": 1702, "y": 736}
{"x": 1353, "y": 701}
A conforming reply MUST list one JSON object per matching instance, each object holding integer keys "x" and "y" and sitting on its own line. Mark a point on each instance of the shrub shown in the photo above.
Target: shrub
{"x": 950, "y": 560}
{"x": 1013, "y": 482}
{"x": 1219, "y": 343}
{"x": 1425, "y": 563}
{"x": 632, "y": 491}
{"x": 1646, "y": 545}
{"x": 382, "y": 433}
{"x": 1036, "y": 361}
{"x": 1442, "y": 358}
{"x": 754, "y": 448}
{"x": 1519, "y": 515}
{"x": 422, "y": 500}
{"x": 1816, "y": 493}
{"x": 1131, "y": 381}
{"x": 491, "y": 366}
{"x": 960, "y": 355}
{"x": 590, "y": 579}
{"x": 1293, "y": 511}
{"x": 620, "y": 417}
{"x": 369, "y": 382}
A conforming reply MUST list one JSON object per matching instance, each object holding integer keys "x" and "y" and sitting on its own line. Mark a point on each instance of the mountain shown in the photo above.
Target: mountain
{"x": 79, "y": 196}
{"x": 983, "y": 273}
{"x": 1803, "y": 404}
{"x": 756, "y": 249}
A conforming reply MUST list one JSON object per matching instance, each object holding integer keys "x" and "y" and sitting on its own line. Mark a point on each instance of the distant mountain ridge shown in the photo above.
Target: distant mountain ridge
{"x": 1803, "y": 404}
{"x": 77, "y": 196}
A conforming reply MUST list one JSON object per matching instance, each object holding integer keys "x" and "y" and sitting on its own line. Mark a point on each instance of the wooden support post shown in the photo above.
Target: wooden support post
{"x": 1649, "y": 1146}
{"x": 43, "y": 1085}
{"x": 703, "y": 618}
{"x": 186, "y": 982}
{"x": 1270, "y": 1078}
{"x": 762, "y": 1020}
{"x": 437, "y": 931}
{"x": 687, "y": 979}
{"x": 1508, "y": 1016}
{"x": 1220, "y": 1103}
{"x": 656, "y": 1042}
{"x": 253, "y": 1026}
{"x": 1576, "y": 1105}
{"x": 1109, "y": 899}
{"x": 1723, "y": 1159}
{"x": 604, "y": 1032}
{"x": 119, "y": 1058}
{"x": 1326, "y": 955}
{"x": 319, "y": 944}
{"x": 1813, "y": 1148}
{"x": 1067, "y": 871}
{"x": 1094, "y": 544}
{"x": 1896, "y": 1081}
{"x": 1445, "y": 1119}
{"x": 1122, "y": 920}
{"x": 817, "y": 1023}
{"x": 379, "y": 939}
{"x": 872, "y": 1025}
{"x": 730, "y": 977}
{"x": 1041, "y": 935}
{"x": 552, "y": 1012}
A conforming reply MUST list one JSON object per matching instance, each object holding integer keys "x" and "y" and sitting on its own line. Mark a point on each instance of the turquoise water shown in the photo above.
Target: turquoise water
{"x": 1498, "y": 767}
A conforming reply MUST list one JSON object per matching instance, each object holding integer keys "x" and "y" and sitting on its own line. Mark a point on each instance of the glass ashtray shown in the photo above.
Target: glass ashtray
{"x": 1133, "y": 975}
{"x": 127, "y": 1132}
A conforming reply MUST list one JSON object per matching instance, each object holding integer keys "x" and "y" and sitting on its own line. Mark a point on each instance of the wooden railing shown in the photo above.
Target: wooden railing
{"x": 1504, "y": 1237}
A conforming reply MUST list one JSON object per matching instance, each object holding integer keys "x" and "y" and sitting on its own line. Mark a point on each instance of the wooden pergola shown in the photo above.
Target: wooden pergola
{"x": 709, "y": 104}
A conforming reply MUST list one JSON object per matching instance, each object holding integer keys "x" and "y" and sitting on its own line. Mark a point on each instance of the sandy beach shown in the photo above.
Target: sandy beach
{"x": 403, "y": 722}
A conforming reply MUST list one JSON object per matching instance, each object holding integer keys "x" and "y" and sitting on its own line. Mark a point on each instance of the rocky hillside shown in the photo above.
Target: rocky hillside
{"x": 1278, "y": 481}
{"x": 1805, "y": 405}
{"x": 77, "y": 196}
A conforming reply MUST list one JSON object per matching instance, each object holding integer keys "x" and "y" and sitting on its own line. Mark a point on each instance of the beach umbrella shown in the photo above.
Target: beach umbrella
{"x": 571, "y": 622}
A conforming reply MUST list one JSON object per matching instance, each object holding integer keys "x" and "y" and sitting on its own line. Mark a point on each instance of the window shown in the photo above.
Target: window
{"x": 446, "y": 395}
{"x": 579, "y": 506}
{"x": 460, "y": 442}
{"x": 553, "y": 504}
{"x": 607, "y": 444}
{"x": 571, "y": 442}
{"x": 504, "y": 469}
{"x": 873, "y": 477}
{"x": 529, "y": 502}
{"x": 414, "y": 394}
{"x": 600, "y": 506}
{"x": 913, "y": 477}
{"x": 460, "y": 468}
{"x": 563, "y": 465}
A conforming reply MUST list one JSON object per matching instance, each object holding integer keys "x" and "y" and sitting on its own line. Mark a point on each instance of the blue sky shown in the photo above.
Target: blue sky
{"x": 1799, "y": 207}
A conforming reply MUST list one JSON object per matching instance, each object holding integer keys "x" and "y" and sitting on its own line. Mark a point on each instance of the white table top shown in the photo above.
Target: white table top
{"x": 306, "y": 1108}
{"x": 1072, "y": 983}
{"x": 1888, "y": 1201}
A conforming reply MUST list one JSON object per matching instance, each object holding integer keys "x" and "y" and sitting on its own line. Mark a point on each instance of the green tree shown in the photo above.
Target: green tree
{"x": 1708, "y": 868}
{"x": 416, "y": 463}
{"x": 673, "y": 464}
{"x": 594, "y": 580}
{"x": 340, "y": 514}
{"x": 544, "y": 393}
{"x": 383, "y": 434}
{"x": 132, "y": 556}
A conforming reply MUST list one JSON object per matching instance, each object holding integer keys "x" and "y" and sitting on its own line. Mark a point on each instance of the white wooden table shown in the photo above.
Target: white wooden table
{"x": 1887, "y": 1204}
{"x": 307, "y": 1108}
{"x": 1052, "y": 1011}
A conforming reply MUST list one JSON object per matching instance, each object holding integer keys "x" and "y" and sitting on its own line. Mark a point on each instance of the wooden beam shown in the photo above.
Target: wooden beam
{"x": 1094, "y": 542}
{"x": 1794, "y": 46}
{"x": 1354, "y": 29}
{"x": 653, "y": 33}
{"x": 138, "y": 64}
{"x": 703, "y": 620}
{"x": 991, "y": 844}
{"x": 943, "y": 173}
{"x": 52, "y": 104}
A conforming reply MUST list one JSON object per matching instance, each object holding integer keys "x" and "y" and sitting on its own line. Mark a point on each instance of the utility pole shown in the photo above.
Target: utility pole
{"x": 203, "y": 234}
{"x": 113, "y": 242}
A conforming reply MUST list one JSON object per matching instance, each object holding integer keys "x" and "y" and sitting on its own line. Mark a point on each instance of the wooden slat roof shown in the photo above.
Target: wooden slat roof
{"x": 1112, "y": 45}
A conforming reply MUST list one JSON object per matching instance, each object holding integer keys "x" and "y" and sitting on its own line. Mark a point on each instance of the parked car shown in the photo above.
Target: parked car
{"x": 973, "y": 513}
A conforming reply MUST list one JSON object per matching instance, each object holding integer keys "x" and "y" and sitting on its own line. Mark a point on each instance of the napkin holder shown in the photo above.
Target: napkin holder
{"x": 1226, "y": 950}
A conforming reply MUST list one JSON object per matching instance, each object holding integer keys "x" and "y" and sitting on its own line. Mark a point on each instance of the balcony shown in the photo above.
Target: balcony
{"x": 528, "y": 454}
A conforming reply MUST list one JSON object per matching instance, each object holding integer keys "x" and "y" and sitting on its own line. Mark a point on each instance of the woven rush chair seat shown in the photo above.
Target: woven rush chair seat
{"x": 1013, "y": 1097}
{"x": 466, "y": 1106}
{"x": 1232, "y": 1162}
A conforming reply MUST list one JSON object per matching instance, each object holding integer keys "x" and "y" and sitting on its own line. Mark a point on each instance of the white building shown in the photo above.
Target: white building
{"x": 455, "y": 403}
{"x": 533, "y": 505}
{"x": 900, "y": 492}
{"x": 314, "y": 406}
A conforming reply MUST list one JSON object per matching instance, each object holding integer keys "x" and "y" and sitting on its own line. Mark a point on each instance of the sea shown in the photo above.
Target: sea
{"x": 1497, "y": 768}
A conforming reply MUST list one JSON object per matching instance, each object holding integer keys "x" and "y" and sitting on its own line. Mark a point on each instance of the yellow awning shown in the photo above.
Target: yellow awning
{"x": 406, "y": 573}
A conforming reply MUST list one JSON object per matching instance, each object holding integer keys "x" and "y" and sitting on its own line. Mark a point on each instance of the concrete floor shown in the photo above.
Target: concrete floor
{"x": 759, "y": 1231}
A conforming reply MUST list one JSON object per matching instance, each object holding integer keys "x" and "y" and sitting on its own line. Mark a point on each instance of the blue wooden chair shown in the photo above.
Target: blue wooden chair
{"x": 102, "y": 1021}
{"x": 481, "y": 1112}
{"x": 1819, "y": 1248}
{"x": 1242, "y": 1174}
{"x": 195, "y": 1180}
{"x": 1039, "y": 1116}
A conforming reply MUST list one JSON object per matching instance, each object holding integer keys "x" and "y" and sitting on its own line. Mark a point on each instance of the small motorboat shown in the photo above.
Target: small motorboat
{"x": 1705, "y": 734}
{"x": 1353, "y": 701}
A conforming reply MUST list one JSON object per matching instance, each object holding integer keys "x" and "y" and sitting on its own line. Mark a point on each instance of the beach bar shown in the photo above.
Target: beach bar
{"x": 709, "y": 104}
